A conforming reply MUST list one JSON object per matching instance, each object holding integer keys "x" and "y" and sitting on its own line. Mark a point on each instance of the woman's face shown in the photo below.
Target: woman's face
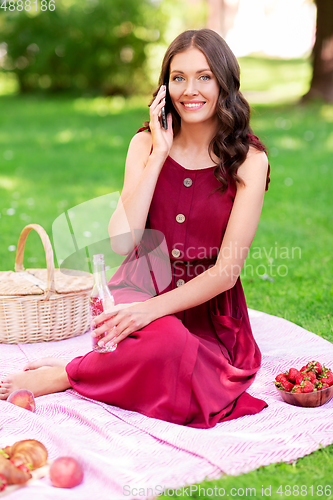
{"x": 193, "y": 87}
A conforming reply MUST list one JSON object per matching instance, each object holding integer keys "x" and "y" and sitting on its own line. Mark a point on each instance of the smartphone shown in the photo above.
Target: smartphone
{"x": 166, "y": 108}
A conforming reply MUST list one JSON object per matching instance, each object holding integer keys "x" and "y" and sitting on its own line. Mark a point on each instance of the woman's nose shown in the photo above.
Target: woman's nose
{"x": 191, "y": 88}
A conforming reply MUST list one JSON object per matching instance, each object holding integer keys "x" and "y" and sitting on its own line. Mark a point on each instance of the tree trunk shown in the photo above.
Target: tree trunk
{"x": 221, "y": 15}
{"x": 214, "y": 15}
{"x": 322, "y": 54}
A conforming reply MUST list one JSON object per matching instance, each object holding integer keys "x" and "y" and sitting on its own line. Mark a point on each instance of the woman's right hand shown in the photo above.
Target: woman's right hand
{"x": 162, "y": 139}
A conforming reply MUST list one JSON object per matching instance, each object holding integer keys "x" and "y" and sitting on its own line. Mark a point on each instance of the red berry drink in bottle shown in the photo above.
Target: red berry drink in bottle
{"x": 100, "y": 300}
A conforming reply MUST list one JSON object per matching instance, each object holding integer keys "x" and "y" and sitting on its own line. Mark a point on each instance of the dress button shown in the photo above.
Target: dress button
{"x": 187, "y": 182}
{"x": 175, "y": 253}
{"x": 180, "y": 282}
{"x": 180, "y": 218}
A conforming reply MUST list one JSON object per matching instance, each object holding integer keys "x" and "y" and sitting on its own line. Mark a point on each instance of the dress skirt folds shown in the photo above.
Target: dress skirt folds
{"x": 190, "y": 368}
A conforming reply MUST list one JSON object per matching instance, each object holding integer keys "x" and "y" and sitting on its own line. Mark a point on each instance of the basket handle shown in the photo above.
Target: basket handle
{"x": 50, "y": 286}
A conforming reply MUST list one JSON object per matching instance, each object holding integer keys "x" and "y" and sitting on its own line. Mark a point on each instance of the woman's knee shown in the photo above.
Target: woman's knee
{"x": 167, "y": 335}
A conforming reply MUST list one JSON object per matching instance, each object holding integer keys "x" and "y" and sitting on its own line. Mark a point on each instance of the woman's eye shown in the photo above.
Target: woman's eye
{"x": 205, "y": 78}
{"x": 177, "y": 78}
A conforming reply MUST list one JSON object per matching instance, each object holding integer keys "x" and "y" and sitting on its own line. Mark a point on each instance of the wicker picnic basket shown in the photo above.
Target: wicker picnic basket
{"x": 38, "y": 305}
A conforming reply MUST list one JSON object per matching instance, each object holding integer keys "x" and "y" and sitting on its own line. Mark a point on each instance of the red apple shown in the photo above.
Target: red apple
{"x": 66, "y": 472}
{"x": 23, "y": 398}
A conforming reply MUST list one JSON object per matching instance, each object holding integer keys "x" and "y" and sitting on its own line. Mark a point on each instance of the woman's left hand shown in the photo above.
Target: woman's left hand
{"x": 121, "y": 321}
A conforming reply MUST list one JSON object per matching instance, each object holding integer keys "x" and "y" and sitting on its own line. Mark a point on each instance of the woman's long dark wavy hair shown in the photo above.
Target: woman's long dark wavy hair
{"x": 234, "y": 135}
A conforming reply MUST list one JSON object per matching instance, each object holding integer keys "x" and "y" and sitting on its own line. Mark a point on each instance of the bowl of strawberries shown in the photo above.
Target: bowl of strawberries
{"x": 310, "y": 386}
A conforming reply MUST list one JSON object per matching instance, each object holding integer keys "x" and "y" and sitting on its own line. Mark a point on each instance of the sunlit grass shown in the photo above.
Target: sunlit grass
{"x": 8, "y": 84}
{"x": 265, "y": 80}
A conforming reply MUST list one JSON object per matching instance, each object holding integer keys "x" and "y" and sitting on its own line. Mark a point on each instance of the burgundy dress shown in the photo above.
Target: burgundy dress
{"x": 190, "y": 368}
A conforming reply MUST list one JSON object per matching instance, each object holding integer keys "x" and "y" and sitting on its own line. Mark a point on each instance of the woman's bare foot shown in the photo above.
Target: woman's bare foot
{"x": 40, "y": 363}
{"x": 39, "y": 381}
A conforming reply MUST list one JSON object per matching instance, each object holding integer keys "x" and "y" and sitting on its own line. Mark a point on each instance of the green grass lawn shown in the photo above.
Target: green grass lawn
{"x": 310, "y": 478}
{"x": 57, "y": 152}
{"x": 297, "y": 220}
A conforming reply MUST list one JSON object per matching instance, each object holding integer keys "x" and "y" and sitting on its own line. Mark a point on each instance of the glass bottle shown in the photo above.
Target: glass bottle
{"x": 100, "y": 300}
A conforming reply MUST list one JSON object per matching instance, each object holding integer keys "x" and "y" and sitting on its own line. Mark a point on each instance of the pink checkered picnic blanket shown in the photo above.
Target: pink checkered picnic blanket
{"x": 128, "y": 455}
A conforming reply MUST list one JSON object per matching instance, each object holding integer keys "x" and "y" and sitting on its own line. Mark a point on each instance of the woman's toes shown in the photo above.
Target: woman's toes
{"x": 33, "y": 365}
{"x": 44, "y": 362}
{"x": 5, "y": 390}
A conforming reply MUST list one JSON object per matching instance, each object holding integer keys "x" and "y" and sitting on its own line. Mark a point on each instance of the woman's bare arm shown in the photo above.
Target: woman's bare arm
{"x": 141, "y": 173}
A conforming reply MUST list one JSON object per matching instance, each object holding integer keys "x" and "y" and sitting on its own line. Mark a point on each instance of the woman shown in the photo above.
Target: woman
{"x": 186, "y": 353}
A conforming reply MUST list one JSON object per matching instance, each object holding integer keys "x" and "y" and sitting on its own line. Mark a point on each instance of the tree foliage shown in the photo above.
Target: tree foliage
{"x": 97, "y": 45}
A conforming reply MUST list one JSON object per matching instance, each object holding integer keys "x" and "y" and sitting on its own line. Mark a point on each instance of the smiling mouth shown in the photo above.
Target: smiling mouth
{"x": 193, "y": 105}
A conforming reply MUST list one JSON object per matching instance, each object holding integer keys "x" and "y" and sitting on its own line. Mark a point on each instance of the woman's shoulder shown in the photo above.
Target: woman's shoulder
{"x": 258, "y": 154}
{"x": 141, "y": 143}
{"x": 255, "y": 167}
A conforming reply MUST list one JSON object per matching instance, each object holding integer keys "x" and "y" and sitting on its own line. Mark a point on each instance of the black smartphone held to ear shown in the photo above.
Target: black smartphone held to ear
{"x": 166, "y": 108}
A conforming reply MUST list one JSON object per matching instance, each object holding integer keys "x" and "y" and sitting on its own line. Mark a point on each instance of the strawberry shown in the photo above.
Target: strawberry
{"x": 327, "y": 379}
{"x": 322, "y": 386}
{"x": 292, "y": 374}
{"x": 307, "y": 386}
{"x": 315, "y": 366}
{"x": 284, "y": 384}
{"x": 301, "y": 377}
{"x": 25, "y": 467}
{"x": 312, "y": 376}
{"x": 327, "y": 375}
{"x": 325, "y": 371}
{"x": 297, "y": 389}
{"x": 19, "y": 465}
{"x": 3, "y": 482}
